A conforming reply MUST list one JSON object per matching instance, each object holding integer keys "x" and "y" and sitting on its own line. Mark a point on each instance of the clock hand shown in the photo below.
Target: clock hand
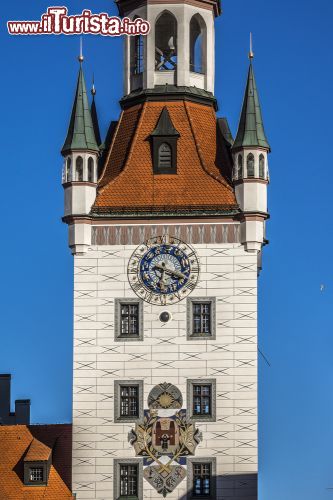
{"x": 162, "y": 283}
{"x": 162, "y": 267}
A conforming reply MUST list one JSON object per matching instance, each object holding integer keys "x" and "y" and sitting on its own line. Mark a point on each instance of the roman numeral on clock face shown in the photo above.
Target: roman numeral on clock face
{"x": 191, "y": 285}
{"x": 137, "y": 287}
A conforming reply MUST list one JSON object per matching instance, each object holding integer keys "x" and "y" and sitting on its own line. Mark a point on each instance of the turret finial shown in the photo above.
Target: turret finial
{"x": 81, "y": 58}
{"x": 251, "y": 53}
{"x": 93, "y": 88}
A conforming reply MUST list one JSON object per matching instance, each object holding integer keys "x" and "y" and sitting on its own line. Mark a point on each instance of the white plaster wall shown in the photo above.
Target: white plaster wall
{"x": 79, "y": 198}
{"x": 252, "y": 196}
{"x": 228, "y": 273}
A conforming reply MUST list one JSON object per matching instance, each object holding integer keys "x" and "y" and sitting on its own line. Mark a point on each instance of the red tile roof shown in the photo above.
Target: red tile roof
{"x": 15, "y": 441}
{"x": 128, "y": 180}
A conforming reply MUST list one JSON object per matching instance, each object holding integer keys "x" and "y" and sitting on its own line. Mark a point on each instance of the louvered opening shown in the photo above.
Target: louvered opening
{"x": 164, "y": 156}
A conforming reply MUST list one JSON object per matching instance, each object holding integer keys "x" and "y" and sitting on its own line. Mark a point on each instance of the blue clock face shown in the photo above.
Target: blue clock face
{"x": 164, "y": 270}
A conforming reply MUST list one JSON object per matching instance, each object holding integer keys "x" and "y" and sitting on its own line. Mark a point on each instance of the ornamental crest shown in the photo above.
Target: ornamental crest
{"x": 165, "y": 438}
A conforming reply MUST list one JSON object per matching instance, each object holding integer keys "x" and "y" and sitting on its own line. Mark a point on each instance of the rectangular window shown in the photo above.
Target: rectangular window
{"x": 129, "y": 401}
{"x": 128, "y": 480}
{"x": 202, "y": 476}
{"x": 202, "y": 318}
{"x": 36, "y": 474}
{"x": 202, "y": 399}
{"x": 129, "y": 319}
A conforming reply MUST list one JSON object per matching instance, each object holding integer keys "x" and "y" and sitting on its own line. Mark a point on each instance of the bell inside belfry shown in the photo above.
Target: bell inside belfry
{"x": 166, "y": 43}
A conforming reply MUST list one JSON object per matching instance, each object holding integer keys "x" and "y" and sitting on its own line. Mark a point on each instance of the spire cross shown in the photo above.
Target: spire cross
{"x": 81, "y": 58}
{"x": 251, "y": 53}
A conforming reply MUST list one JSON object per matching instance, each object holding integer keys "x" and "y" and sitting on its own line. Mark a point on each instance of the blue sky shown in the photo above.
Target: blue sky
{"x": 293, "y": 42}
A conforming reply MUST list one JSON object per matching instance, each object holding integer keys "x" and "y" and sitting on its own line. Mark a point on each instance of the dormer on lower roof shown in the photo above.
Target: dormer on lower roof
{"x": 37, "y": 464}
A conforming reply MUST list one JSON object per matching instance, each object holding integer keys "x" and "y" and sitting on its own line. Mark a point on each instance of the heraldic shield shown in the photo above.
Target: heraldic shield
{"x": 164, "y": 438}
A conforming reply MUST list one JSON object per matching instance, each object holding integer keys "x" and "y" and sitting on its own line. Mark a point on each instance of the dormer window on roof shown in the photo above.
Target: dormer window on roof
{"x": 37, "y": 464}
{"x": 164, "y": 145}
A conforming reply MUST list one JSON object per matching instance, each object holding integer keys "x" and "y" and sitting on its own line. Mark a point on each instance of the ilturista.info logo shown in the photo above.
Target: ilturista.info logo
{"x": 56, "y": 21}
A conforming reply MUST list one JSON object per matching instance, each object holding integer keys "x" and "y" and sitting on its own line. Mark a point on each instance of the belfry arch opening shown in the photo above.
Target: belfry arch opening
{"x": 91, "y": 176}
{"x": 79, "y": 169}
{"x": 198, "y": 44}
{"x": 137, "y": 48}
{"x": 166, "y": 42}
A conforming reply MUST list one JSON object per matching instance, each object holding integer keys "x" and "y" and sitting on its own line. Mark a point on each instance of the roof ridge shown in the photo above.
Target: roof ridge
{"x": 129, "y": 154}
{"x": 133, "y": 140}
{"x": 219, "y": 177}
{"x": 110, "y": 151}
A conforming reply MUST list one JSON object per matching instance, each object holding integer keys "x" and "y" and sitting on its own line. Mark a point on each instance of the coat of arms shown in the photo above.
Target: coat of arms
{"x": 165, "y": 438}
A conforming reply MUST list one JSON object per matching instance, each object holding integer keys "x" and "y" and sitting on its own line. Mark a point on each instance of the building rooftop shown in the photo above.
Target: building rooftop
{"x": 20, "y": 444}
{"x": 203, "y": 167}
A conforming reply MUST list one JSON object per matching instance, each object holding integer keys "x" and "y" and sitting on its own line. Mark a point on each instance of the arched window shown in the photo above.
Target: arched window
{"x": 68, "y": 170}
{"x": 197, "y": 44}
{"x": 137, "y": 65}
{"x": 164, "y": 156}
{"x": 79, "y": 169}
{"x": 250, "y": 165}
{"x": 240, "y": 167}
{"x": 166, "y": 43}
{"x": 91, "y": 170}
{"x": 261, "y": 167}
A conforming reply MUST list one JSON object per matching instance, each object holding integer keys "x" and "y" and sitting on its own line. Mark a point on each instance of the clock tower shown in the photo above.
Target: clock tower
{"x": 166, "y": 225}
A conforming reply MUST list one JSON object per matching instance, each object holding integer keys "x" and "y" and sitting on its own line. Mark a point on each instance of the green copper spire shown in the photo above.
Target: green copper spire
{"x": 251, "y": 131}
{"x": 80, "y": 135}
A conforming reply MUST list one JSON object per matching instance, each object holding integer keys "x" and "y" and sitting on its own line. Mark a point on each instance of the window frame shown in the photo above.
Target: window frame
{"x": 118, "y": 417}
{"x": 190, "y": 400}
{"x": 195, "y": 32}
{"x": 262, "y": 165}
{"x": 190, "y": 477}
{"x": 160, "y": 160}
{"x": 91, "y": 170}
{"x": 250, "y": 157}
{"x": 191, "y": 335}
{"x": 45, "y": 465}
{"x": 68, "y": 173}
{"x": 79, "y": 169}
{"x": 169, "y": 20}
{"x": 240, "y": 167}
{"x": 157, "y": 142}
{"x": 117, "y": 463}
{"x": 137, "y": 54}
{"x": 118, "y": 335}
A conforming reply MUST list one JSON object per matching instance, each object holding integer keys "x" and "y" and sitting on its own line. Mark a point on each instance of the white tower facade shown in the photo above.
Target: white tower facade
{"x": 165, "y": 280}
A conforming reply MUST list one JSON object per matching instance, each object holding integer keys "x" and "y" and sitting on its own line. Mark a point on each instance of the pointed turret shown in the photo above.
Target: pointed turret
{"x": 81, "y": 134}
{"x": 81, "y": 154}
{"x": 250, "y": 155}
{"x": 94, "y": 116}
{"x": 251, "y": 131}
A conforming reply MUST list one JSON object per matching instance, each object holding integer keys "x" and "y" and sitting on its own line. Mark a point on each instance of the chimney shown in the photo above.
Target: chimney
{"x": 4, "y": 398}
{"x": 22, "y": 411}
